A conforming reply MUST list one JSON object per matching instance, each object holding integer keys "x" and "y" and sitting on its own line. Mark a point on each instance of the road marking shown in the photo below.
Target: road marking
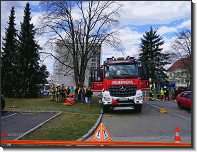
{"x": 155, "y": 106}
{"x": 183, "y": 117}
{"x": 180, "y": 116}
{"x": 166, "y": 109}
{"x": 8, "y": 116}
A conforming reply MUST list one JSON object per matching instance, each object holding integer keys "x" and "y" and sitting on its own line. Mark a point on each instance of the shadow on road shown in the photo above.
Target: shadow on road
{"x": 123, "y": 112}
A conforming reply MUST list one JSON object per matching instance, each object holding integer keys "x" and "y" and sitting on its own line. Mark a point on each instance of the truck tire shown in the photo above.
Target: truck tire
{"x": 105, "y": 109}
{"x": 138, "y": 108}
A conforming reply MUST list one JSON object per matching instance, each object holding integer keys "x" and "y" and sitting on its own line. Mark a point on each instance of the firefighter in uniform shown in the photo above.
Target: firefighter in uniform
{"x": 165, "y": 91}
{"x": 62, "y": 91}
{"x": 151, "y": 93}
{"x": 58, "y": 93}
{"x": 53, "y": 92}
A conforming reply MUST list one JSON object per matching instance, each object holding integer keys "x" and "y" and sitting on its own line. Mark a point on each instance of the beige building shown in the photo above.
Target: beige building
{"x": 178, "y": 74}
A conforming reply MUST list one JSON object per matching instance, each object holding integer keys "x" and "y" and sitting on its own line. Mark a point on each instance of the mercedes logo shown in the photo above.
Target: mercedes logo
{"x": 122, "y": 88}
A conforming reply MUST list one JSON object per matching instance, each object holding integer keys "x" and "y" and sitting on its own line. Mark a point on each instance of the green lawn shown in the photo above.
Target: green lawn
{"x": 44, "y": 102}
{"x": 70, "y": 125}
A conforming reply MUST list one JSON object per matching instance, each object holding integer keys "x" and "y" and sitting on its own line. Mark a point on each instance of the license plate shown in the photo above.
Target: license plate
{"x": 122, "y": 108}
{"x": 123, "y": 99}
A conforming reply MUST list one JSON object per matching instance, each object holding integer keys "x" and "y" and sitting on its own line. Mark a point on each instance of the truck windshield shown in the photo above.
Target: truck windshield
{"x": 121, "y": 71}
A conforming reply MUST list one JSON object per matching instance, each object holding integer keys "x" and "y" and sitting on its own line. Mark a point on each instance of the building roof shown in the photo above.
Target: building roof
{"x": 181, "y": 64}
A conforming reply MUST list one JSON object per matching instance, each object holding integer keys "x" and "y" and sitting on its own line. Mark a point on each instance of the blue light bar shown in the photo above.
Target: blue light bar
{"x": 131, "y": 57}
{"x": 109, "y": 58}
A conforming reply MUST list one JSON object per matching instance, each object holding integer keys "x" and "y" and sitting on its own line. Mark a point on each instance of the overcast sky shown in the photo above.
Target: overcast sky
{"x": 167, "y": 16}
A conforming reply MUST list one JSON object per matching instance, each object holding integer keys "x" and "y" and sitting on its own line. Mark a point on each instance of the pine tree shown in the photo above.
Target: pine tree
{"x": 152, "y": 57}
{"x": 43, "y": 75}
{"x": 9, "y": 58}
{"x": 29, "y": 55}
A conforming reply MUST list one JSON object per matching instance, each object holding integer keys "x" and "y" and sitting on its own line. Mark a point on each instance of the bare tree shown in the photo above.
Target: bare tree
{"x": 182, "y": 51}
{"x": 80, "y": 28}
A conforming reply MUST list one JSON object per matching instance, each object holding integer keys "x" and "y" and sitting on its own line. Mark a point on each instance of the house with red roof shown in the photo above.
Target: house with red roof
{"x": 179, "y": 73}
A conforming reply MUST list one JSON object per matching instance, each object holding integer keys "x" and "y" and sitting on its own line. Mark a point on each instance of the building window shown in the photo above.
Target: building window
{"x": 170, "y": 74}
{"x": 93, "y": 64}
{"x": 178, "y": 81}
{"x": 182, "y": 80}
{"x": 177, "y": 73}
{"x": 93, "y": 60}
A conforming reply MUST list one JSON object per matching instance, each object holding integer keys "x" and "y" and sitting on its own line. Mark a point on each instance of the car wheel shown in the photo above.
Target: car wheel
{"x": 180, "y": 105}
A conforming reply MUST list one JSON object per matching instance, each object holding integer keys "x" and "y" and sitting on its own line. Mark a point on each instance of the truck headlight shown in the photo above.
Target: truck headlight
{"x": 139, "y": 98}
{"x": 107, "y": 99}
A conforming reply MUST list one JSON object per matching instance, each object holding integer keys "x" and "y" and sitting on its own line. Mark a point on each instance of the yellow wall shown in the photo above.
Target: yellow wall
{"x": 178, "y": 77}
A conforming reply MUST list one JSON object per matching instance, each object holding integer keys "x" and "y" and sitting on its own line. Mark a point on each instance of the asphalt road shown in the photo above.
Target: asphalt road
{"x": 150, "y": 125}
{"x": 14, "y": 125}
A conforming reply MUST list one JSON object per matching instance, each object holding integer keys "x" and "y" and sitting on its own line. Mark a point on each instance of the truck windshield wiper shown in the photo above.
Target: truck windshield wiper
{"x": 128, "y": 75}
{"x": 115, "y": 76}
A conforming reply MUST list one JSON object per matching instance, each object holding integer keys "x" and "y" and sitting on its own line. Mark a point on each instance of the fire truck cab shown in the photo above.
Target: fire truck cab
{"x": 121, "y": 82}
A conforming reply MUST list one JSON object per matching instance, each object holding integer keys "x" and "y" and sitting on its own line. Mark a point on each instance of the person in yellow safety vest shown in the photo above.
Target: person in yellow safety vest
{"x": 151, "y": 93}
{"x": 165, "y": 91}
{"x": 58, "y": 91}
{"x": 53, "y": 91}
{"x": 162, "y": 93}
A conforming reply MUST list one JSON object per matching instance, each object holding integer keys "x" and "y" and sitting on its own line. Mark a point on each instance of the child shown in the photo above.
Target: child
{"x": 71, "y": 91}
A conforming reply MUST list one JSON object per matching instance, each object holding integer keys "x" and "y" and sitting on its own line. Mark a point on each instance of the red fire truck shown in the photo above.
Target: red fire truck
{"x": 121, "y": 82}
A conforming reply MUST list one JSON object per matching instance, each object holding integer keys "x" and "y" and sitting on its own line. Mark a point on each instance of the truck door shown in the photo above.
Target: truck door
{"x": 143, "y": 74}
{"x": 97, "y": 79}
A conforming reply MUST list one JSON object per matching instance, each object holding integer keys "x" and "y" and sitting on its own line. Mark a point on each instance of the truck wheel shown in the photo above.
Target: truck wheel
{"x": 105, "y": 109}
{"x": 138, "y": 108}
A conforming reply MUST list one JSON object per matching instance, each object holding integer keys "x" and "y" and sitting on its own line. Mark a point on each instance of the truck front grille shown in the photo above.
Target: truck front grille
{"x": 122, "y": 90}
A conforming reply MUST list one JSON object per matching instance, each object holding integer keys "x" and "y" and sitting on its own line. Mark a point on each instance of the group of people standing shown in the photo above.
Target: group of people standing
{"x": 81, "y": 94}
{"x": 61, "y": 90}
{"x": 165, "y": 91}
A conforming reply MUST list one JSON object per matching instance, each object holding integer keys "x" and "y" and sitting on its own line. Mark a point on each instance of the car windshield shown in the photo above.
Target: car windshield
{"x": 121, "y": 71}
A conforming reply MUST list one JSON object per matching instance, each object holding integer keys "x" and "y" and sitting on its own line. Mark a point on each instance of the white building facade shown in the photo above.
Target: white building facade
{"x": 65, "y": 75}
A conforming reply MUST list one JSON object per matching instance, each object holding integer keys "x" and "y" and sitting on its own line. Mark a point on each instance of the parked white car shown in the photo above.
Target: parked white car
{"x": 46, "y": 92}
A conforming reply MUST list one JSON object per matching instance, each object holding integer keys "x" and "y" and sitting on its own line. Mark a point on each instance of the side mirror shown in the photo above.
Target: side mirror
{"x": 107, "y": 66}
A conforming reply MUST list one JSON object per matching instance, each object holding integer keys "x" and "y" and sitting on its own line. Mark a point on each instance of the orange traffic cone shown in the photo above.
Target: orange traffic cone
{"x": 177, "y": 137}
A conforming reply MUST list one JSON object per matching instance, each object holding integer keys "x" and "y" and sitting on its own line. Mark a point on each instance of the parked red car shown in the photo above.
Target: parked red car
{"x": 184, "y": 99}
